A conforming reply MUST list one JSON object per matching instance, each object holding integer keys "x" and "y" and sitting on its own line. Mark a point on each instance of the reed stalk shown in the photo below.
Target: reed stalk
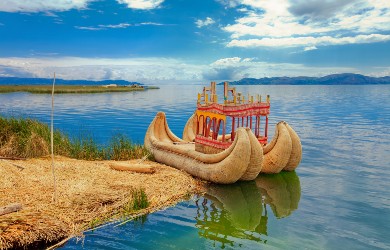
{"x": 52, "y": 139}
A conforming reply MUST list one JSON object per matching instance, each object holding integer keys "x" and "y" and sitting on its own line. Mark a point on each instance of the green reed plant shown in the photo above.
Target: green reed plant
{"x": 86, "y": 148}
{"x": 29, "y": 138}
{"x": 26, "y": 138}
{"x": 121, "y": 148}
{"x": 138, "y": 201}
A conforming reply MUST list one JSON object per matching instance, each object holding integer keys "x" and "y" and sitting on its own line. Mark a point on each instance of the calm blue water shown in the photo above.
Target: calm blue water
{"x": 338, "y": 198}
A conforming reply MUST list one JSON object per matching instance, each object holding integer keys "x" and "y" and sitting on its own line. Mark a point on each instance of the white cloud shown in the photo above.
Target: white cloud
{"x": 157, "y": 69}
{"x": 380, "y": 72}
{"x": 116, "y": 26}
{"x": 208, "y": 21}
{"x": 230, "y": 3}
{"x": 242, "y": 10}
{"x": 248, "y": 59}
{"x": 41, "y": 5}
{"x": 237, "y": 68}
{"x": 134, "y": 69}
{"x": 309, "y": 41}
{"x": 149, "y": 23}
{"x": 88, "y": 28}
{"x": 340, "y": 21}
{"x": 141, "y": 4}
{"x": 63, "y": 5}
{"x": 310, "y": 48}
{"x": 226, "y": 61}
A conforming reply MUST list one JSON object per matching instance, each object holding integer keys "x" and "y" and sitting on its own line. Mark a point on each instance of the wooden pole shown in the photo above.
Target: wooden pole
{"x": 13, "y": 164}
{"x": 138, "y": 168}
{"x": 14, "y": 207}
{"x": 233, "y": 125}
{"x": 11, "y": 158}
{"x": 224, "y": 131}
{"x": 52, "y": 140}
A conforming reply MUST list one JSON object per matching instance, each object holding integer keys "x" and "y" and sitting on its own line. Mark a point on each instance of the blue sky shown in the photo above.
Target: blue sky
{"x": 157, "y": 41}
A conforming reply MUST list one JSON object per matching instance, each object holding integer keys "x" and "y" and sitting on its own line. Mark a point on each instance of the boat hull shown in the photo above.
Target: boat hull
{"x": 282, "y": 153}
{"x": 241, "y": 161}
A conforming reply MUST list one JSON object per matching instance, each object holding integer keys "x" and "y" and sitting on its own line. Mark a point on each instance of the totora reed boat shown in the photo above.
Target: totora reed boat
{"x": 211, "y": 153}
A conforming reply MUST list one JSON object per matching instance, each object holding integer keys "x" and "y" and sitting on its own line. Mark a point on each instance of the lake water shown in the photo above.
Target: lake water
{"x": 338, "y": 198}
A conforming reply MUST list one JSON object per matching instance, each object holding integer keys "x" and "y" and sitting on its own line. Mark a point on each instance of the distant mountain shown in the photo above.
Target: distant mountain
{"x": 336, "y": 79}
{"x": 44, "y": 81}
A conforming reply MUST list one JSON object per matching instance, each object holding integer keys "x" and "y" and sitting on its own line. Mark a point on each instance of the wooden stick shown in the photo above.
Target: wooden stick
{"x": 138, "y": 168}
{"x": 13, "y": 164}
{"x": 143, "y": 158}
{"x": 51, "y": 139}
{"x": 11, "y": 158}
{"x": 59, "y": 244}
{"x": 14, "y": 207}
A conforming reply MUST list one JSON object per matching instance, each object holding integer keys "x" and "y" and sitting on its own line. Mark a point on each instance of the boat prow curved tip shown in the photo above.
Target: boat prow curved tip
{"x": 189, "y": 129}
{"x": 277, "y": 153}
{"x": 159, "y": 129}
{"x": 284, "y": 152}
{"x": 296, "y": 151}
{"x": 256, "y": 158}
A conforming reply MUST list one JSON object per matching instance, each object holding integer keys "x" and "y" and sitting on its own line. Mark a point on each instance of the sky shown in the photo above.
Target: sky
{"x": 193, "y": 41}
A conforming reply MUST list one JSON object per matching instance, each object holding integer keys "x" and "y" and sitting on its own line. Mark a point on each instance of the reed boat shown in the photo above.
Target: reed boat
{"x": 210, "y": 152}
{"x": 241, "y": 161}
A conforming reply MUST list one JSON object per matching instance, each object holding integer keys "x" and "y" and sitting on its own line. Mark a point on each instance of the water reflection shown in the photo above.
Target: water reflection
{"x": 281, "y": 192}
{"x": 239, "y": 211}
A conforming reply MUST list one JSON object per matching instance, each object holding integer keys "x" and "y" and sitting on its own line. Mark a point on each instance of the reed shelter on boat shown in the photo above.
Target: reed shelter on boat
{"x": 216, "y": 123}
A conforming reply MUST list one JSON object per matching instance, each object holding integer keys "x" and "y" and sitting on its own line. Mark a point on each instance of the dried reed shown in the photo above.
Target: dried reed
{"x": 89, "y": 193}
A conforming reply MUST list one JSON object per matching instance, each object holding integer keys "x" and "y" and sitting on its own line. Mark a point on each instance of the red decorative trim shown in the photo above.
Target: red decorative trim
{"x": 210, "y": 142}
{"x": 219, "y": 144}
{"x": 263, "y": 140}
{"x": 237, "y": 110}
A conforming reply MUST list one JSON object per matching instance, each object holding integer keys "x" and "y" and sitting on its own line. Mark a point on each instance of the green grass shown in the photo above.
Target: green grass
{"x": 86, "y": 148}
{"x": 27, "y": 138}
{"x": 138, "y": 201}
{"x": 121, "y": 148}
{"x": 68, "y": 89}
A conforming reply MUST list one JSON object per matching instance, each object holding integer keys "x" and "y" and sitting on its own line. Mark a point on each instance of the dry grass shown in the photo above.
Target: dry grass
{"x": 89, "y": 193}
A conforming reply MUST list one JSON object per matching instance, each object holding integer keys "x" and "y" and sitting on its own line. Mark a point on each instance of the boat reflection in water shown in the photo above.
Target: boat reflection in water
{"x": 227, "y": 213}
{"x": 281, "y": 192}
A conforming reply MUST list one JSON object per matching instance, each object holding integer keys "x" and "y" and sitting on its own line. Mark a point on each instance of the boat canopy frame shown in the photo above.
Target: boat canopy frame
{"x": 235, "y": 112}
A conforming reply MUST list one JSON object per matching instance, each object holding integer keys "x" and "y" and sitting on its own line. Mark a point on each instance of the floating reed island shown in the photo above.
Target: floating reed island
{"x": 88, "y": 192}
{"x": 74, "y": 89}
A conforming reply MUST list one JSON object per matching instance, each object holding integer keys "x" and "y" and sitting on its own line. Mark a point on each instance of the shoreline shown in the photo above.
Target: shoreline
{"x": 89, "y": 193}
{"x": 72, "y": 89}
